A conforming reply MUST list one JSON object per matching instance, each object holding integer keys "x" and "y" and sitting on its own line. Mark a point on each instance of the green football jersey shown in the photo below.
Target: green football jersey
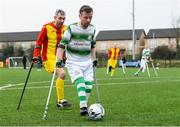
{"x": 78, "y": 42}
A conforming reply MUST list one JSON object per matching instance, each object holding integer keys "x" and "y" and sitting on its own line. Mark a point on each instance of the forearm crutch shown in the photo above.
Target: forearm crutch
{"x": 25, "y": 85}
{"x": 155, "y": 72}
{"x": 50, "y": 90}
{"x": 123, "y": 68}
{"x": 148, "y": 70}
{"x": 97, "y": 88}
{"x": 49, "y": 95}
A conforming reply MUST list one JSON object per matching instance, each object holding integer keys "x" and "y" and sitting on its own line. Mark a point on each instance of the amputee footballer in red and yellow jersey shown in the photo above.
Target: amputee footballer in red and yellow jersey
{"x": 113, "y": 55}
{"x": 46, "y": 46}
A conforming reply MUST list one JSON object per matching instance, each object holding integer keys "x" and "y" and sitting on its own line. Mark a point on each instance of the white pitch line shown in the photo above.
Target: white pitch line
{"x": 5, "y": 86}
{"x": 115, "y": 78}
{"x": 176, "y": 80}
{"x": 19, "y": 84}
{"x": 101, "y": 84}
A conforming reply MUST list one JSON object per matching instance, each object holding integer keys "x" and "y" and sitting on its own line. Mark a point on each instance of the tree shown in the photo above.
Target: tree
{"x": 102, "y": 59}
{"x": 19, "y": 51}
{"x": 161, "y": 52}
{"x": 164, "y": 53}
{"x": 176, "y": 26}
{"x": 29, "y": 52}
{"x": 8, "y": 50}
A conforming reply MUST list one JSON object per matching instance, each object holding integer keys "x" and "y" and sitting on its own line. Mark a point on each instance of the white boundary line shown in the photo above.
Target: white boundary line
{"x": 5, "y": 86}
{"x": 20, "y": 84}
{"x": 115, "y": 78}
{"x": 101, "y": 84}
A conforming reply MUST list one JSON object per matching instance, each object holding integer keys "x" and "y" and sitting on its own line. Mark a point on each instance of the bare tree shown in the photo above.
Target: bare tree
{"x": 176, "y": 26}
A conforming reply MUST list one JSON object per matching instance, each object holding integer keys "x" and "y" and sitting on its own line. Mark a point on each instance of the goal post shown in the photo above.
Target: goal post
{"x": 16, "y": 62}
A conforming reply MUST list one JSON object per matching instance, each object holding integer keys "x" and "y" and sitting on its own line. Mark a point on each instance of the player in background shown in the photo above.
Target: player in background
{"x": 24, "y": 61}
{"x": 113, "y": 55}
{"x": 145, "y": 58}
{"x": 46, "y": 46}
{"x": 79, "y": 43}
{"x": 123, "y": 59}
{"x": 7, "y": 62}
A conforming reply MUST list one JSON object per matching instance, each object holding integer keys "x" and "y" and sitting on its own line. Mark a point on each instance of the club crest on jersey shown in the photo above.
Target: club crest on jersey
{"x": 77, "y": 72}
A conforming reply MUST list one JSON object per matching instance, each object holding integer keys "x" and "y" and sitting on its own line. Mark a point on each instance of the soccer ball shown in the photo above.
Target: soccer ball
{"x": 96, "y": 112}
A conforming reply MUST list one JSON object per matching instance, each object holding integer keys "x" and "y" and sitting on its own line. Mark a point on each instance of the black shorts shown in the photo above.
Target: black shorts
{"x": 124, "y": 60}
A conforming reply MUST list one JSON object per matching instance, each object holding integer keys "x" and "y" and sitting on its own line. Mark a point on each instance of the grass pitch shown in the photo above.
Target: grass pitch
{"x": 128, "y": 100}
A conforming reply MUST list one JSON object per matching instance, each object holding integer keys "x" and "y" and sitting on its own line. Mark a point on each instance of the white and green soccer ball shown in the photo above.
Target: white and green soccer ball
{"x": 96, "y": 112}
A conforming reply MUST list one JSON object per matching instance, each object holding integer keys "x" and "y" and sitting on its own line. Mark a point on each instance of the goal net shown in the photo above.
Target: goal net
{"x": 17, "y": 62}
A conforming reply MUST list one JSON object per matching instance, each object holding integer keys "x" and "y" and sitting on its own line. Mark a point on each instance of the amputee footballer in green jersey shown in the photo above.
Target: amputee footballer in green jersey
{"x": 79, "y": 43}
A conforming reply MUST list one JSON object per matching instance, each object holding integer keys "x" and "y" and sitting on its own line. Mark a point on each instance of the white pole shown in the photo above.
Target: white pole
{"x": 154, "y": 42}
{"x": 133, "y": 32}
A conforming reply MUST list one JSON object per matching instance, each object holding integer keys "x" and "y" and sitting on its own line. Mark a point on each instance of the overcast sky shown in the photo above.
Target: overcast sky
{"x": 30, "y": 15}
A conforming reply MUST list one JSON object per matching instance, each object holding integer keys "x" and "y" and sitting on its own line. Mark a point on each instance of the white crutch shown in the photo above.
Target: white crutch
{"x": 50, "y": 90}
{"x": 155, "y": 72}
{"x": 123, "y": 68}
{"x": 148, "y": 70}
{"x": 97, "y": 88}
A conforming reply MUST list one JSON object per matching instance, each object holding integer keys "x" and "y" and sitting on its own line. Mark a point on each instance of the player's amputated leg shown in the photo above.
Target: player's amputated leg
{"x": 138, "y": 71}
{"x": 81, "y": 89}
{"x": 89, "y": 86}
{"x": 142, "y": 68}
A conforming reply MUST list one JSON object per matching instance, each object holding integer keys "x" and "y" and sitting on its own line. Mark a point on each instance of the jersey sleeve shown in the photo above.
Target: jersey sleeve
{"x": 93, "y": 42}
{"x": 41, "y": 38}
{"x": 66, "y": 37}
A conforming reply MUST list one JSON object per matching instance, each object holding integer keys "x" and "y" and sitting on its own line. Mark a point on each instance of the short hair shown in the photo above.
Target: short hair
{"x": 59, "y": 11}
{"x": 85, "y": 8}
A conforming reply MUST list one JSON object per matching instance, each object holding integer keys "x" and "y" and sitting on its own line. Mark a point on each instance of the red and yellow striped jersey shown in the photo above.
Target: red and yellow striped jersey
{"x": 48, "y": 39}
{"x": 114, "y": 53}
